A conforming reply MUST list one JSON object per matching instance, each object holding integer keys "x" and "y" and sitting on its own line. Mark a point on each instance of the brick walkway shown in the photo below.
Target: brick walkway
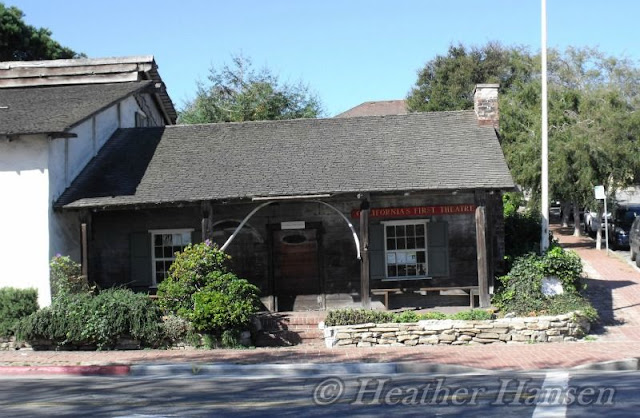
{"x": 613, "y": 285}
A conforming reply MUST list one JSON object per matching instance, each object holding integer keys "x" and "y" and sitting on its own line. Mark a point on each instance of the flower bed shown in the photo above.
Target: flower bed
{"x": 568, "y": 327}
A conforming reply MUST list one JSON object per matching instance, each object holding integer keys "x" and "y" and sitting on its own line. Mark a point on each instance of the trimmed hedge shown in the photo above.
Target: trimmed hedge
{"x": 15, "y": 304}
{"x": 363, "y": 316}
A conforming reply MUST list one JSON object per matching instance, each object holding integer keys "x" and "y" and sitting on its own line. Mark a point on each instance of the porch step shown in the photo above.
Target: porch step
{"x": 289, "y": 328}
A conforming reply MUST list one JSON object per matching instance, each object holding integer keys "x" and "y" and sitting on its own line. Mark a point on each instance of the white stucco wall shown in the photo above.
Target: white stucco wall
{"x": 34, "y": 172}
{"x": 24, "y": 247}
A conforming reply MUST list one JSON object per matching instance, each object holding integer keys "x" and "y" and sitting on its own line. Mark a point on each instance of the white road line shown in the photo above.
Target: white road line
{"x": 549, "y": 403}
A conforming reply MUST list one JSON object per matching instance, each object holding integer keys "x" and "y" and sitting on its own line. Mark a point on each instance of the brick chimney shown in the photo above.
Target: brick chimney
{"x": 485, "y": 103}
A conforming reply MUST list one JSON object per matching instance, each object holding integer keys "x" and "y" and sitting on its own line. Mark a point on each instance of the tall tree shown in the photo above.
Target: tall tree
{"x": 447, "y": 81}
{"x": 594, "y": 113}
{"x": 594, "y": 127}
{"x": 237, "y": 92}
{"x": 22, "y": 42}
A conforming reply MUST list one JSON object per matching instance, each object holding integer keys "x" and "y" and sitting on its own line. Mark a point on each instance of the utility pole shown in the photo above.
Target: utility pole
{"x": 544, "y": 239}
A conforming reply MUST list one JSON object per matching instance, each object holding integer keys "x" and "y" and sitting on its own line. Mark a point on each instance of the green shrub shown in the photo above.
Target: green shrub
{"x": 565, "y": 265}
{"x": 201, "y": 290}
{"x": 100, "y": 320}
{"x": 66, "y": 277}
{"x": 521, "y": 234}
{"x": 14, "y": 305}
{"x": 472, "y": 315}
{"x": 511, "y": 201}
{"x": 362, "y": 316}
{"x": 521, "y": 290}
{"x": 176, "y": 329}
{"x": 432, "y": 315}
{"x": 226, "y": 303}
{"x": 188, "y": 274}
{"x": 356, "y": 316}
{"x": 406, "y": 316}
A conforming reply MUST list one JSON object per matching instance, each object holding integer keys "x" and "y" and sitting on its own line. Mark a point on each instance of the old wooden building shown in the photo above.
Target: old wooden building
{"x": 332, "y": 210}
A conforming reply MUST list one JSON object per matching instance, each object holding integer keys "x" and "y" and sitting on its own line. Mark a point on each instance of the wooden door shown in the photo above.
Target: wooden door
{"x": 296, "y": 272}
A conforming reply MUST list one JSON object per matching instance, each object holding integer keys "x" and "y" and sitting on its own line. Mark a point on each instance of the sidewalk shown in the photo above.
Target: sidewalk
{"x": 613, "y": 285}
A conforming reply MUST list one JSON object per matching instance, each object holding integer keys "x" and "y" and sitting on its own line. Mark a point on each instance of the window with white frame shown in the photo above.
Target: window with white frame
{"x": 406, "y": 249}
{"x": 164, "y": 245}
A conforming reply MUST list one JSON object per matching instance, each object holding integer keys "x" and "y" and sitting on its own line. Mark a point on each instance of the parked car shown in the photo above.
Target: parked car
{"x": 634, "y": 241}
{"x": 620, "y": 226}
{"x": 591, "y": 223}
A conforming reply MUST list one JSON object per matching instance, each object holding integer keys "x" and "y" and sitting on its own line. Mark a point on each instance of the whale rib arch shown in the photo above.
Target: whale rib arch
{"x": 265, "y": 204}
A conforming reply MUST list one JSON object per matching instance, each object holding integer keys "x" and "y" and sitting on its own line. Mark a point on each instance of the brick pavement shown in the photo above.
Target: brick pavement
{"x": 613, "y": 285}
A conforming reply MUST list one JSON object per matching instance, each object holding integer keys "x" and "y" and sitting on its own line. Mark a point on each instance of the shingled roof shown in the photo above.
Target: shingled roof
{"x": 54, "y": 109}
{"x": 376, "y": 108}
{"x": 186, "y": 163}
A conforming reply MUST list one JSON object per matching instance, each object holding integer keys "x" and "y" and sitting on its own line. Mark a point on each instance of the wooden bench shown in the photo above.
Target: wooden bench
{"x": 472, "y": 291}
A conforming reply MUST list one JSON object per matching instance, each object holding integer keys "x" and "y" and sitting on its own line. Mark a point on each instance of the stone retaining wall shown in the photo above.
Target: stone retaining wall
{"x": 10, "y": 344}
{"x": 559, "y": 328}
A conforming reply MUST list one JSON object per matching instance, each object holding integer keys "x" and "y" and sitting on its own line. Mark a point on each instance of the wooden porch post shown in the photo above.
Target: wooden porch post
{"x": 84, "y": 243}
{"x": 481, "y": 246}
{"x": 364, "y": 250}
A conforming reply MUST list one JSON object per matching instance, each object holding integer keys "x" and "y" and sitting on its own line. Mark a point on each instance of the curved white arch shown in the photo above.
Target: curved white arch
{"x": 256, "y": 209}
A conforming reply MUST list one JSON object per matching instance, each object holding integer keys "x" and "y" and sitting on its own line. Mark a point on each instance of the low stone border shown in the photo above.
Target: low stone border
{"x": 568, "y": 327}
{"x": 10, "y": 344}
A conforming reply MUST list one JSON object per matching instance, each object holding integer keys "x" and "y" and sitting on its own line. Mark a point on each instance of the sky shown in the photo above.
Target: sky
{"x": 347, "y": 51}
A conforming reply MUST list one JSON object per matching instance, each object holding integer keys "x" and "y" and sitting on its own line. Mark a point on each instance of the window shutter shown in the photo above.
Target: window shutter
{"x": 438, "y": 248}
{"x": 140, "y": 250}
{"x": 196, "y": 236}
{"x": 376, "y": 252}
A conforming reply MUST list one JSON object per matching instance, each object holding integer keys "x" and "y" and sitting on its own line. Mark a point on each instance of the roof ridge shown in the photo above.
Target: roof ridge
{"x": 333, "y": 119}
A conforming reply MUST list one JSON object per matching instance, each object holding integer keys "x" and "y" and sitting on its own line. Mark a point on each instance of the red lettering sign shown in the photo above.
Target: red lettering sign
{"x": 416, "y": 211}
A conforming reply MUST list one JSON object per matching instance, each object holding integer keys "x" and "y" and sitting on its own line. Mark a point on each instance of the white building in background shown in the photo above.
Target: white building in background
{"x": 54, "y": 118}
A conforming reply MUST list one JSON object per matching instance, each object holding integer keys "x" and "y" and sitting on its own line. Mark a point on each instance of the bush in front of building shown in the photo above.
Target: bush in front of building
{"x": 188, "y": 275}
{"x": 15, "y": 304}
{"x": 521, "y": 291}
{"x": 363, "y": 316}
{"x": 201, "y": 289}
{"x": 85, "y": 320}
{"x": 66, "y": 277}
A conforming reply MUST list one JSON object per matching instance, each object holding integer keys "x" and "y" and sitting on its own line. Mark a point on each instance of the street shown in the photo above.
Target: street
{"x": 553, "y": 394}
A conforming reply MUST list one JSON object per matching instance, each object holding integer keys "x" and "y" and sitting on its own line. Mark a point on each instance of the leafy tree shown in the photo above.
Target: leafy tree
{"x": 594, "y": 118}
{"x": 22, "y": 42}
{"x": 594, "y": 126}
{"x": 238, "y": 93}
{"x": 447, "y": 82}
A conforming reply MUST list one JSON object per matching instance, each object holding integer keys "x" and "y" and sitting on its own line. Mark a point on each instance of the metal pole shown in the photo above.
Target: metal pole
{"x": 606, "y": 225}
{"x": 544, "y": 239}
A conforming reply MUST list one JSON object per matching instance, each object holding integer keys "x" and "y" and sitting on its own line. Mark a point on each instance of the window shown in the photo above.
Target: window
{"x": 164, "y": 245}
{"x": 406, "y": 249}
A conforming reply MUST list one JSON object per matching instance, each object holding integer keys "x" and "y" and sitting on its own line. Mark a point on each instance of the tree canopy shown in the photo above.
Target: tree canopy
{"x": 594, "y": 113}
{"x": 22, "y": 42}
{"x": 447, "y": 81}
{"x": 237, "y": 92}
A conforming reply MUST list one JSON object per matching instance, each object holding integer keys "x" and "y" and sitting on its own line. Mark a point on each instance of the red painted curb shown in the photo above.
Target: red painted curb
{"x": 112, "y": 370}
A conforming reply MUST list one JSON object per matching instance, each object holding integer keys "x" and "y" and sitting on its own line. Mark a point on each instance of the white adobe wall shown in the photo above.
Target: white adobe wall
{"x": 34, "y": 172}
{"x": 24, "y": 184}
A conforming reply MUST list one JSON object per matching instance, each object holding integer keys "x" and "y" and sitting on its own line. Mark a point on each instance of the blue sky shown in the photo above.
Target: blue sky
{"x": 347, "y": 51}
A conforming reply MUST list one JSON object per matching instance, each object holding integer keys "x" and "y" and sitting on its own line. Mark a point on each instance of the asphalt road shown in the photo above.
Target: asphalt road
{"x": 551, "y": 394}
